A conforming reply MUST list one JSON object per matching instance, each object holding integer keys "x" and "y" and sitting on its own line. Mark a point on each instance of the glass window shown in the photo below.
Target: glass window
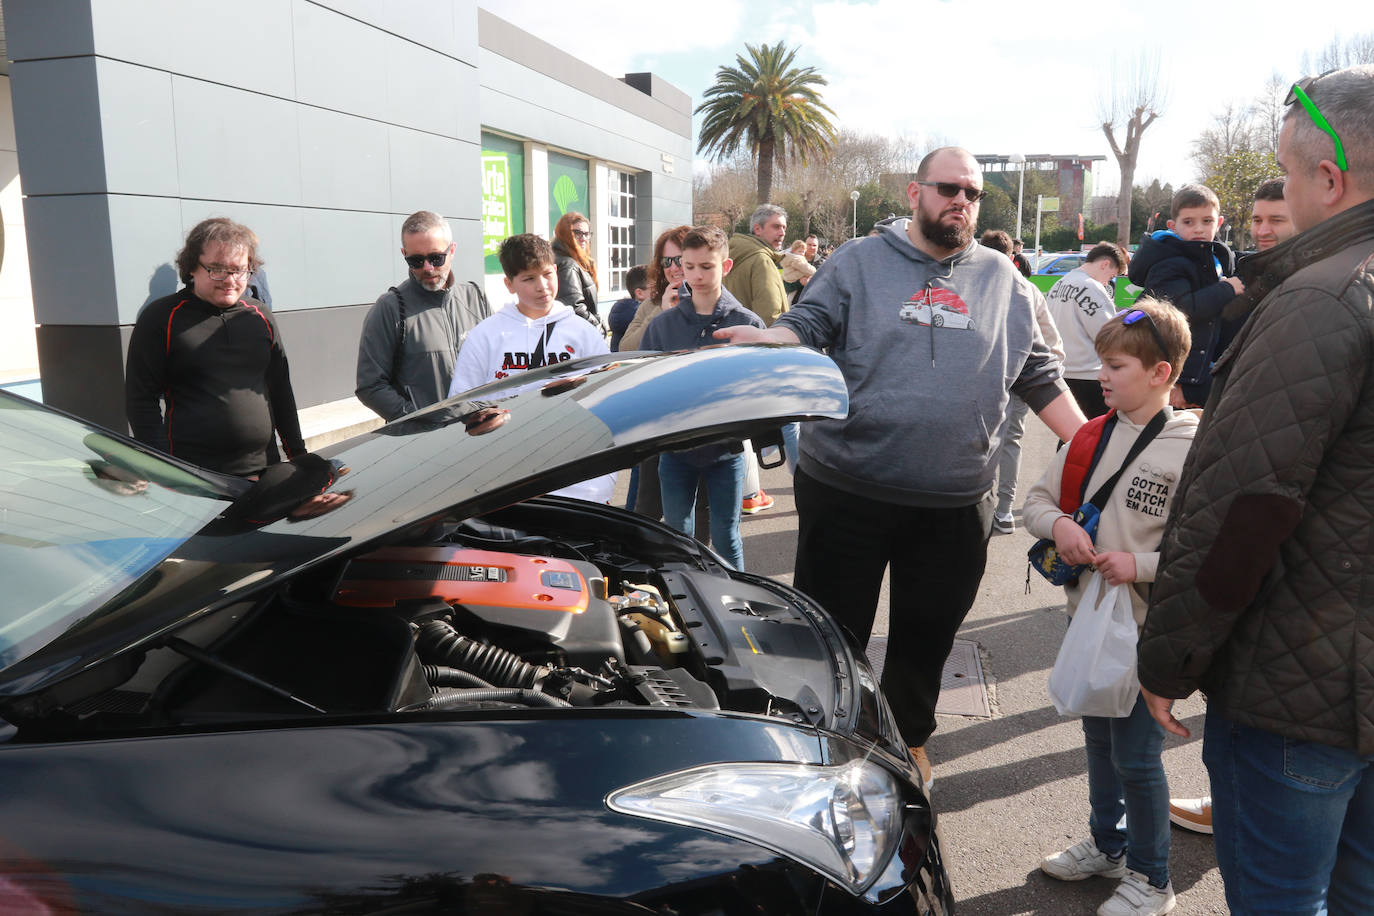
{"x": 620, "y": 244}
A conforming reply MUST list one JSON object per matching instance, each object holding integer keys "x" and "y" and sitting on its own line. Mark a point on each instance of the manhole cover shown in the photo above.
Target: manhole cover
{"x": 962, "y": 689}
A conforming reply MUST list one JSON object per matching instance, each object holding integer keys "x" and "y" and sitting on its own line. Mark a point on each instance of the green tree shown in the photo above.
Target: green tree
{"x": 768, "y": 107}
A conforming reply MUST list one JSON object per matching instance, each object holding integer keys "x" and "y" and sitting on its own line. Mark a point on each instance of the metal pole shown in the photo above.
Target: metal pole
{"x": 1020, "y": 193}
{"x": 1039, "y": 198}
{"x": 854, "y": 227}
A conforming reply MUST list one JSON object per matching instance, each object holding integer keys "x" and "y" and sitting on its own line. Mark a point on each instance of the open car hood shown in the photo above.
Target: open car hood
{"x": 488, "y": 448}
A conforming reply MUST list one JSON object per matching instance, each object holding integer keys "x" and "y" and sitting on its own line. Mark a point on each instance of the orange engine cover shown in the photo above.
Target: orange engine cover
{"x": 462, "y": 576}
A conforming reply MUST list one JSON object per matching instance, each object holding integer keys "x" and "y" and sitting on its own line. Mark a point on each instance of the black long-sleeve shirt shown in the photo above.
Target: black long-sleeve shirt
{"x": 210, "y": 385}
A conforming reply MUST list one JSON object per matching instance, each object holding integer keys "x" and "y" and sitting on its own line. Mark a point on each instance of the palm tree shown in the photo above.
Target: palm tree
{"x": 767, "y": 107}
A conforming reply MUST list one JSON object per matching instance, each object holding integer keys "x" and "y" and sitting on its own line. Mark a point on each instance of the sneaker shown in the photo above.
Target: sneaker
{"x": 756, "y": 503}
{"x": 918, "y": 755}
{"x": 1193, "y": 814}
{"x": 1083, "y": 861}
{"x": 1136, "y": 896}
{"x": 1003, "y": 522}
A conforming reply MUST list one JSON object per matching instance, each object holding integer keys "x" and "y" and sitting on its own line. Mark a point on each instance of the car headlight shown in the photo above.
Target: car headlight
{"x": 844, "y": 821}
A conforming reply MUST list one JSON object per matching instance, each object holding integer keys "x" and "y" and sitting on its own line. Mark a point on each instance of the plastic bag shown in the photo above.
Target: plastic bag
{"x": 1094, "y": 673}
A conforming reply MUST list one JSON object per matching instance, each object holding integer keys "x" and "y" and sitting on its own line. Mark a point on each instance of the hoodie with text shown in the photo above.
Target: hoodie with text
{"x": 931, "y": 352}
{"x": 508, "y": 343}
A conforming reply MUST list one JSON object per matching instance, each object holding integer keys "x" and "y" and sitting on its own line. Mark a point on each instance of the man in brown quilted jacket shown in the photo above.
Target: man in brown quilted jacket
{"x": 1266, "y": 596}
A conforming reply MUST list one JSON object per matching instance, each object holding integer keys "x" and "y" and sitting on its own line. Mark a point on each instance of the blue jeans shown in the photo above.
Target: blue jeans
{"x": 1127, "y": 790}
{"x": 1294, "y": 822}
{"x": 724, "y": 477}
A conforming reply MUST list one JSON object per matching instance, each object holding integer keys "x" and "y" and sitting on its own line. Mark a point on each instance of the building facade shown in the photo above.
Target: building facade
{"x": 321, "y": 124}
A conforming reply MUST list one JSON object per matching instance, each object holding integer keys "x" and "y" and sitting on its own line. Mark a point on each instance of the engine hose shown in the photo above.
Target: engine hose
{"x": 438, "y": 676}
{"x": 443, "y": 699}
{"x": 439, "y": 643}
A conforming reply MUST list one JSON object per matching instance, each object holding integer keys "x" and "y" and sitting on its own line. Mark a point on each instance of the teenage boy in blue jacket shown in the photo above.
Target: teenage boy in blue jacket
{"x": 692, "y": 324}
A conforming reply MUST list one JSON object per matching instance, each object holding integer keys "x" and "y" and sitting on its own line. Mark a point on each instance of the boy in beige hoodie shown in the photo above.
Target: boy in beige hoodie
{"x": 1142, "y": 353}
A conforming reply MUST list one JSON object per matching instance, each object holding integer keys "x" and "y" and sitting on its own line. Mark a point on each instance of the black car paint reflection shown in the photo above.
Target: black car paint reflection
{"x": 299, "y": 808}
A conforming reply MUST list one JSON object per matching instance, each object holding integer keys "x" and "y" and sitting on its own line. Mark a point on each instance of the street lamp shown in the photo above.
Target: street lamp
{"x": 1021, "y": 190}
{"x": 854, "y": 229}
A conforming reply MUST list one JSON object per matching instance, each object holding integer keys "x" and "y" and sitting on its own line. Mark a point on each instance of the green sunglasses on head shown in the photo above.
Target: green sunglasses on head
{"x": 1299, "y": 94}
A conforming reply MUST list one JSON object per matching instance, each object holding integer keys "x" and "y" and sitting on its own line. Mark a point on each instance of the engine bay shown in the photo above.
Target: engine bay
{"x": 542, "y": 605}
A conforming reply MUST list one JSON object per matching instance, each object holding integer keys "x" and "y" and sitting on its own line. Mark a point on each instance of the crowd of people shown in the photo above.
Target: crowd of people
{"x": 1224, "y": 424}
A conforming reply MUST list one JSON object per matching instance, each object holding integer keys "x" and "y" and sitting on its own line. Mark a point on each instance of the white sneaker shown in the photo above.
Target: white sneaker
{"x": 1003, "y": 522}
{"x": 1083, "y": 861}
{"x": 1136, "y": 896}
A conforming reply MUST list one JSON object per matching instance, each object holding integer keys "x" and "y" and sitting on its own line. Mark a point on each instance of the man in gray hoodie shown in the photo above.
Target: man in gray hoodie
{"x": 933, "y": 333}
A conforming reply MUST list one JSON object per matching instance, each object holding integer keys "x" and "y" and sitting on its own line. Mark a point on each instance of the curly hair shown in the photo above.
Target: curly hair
{"x": 563, "y": 233}
{"x": 216, "y": 230}
{"x": 657, "y": 279}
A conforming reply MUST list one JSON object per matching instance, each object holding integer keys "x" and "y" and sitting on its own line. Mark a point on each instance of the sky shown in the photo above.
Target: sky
{"x": 990, "y": 75}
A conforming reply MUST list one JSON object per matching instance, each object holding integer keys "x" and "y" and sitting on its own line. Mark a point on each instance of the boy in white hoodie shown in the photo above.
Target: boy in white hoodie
{"x": 538, "y": 331}
{"x": 1142, "y": 351}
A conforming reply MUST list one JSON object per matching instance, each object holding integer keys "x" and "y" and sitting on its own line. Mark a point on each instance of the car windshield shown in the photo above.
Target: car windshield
{"x": 83, "y": 515}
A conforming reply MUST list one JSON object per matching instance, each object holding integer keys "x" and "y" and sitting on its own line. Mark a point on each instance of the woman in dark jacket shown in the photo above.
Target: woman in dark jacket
{"x": 576, "y": 269}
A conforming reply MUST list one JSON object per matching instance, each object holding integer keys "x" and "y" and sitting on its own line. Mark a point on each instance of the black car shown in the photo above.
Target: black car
{"x": 391, "y": 677}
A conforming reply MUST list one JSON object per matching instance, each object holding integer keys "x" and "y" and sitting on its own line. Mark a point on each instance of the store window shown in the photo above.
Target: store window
{"x": 620, "y": 227}
{"x": 503, "y": 195}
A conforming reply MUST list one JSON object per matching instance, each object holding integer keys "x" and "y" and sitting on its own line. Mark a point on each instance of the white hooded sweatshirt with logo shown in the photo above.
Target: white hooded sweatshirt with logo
{"x": 1133, "y": 517}
{"x": 509, "y": 344}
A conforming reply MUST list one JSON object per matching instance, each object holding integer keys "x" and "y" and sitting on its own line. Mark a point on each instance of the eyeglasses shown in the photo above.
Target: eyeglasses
{"x": 1299, "y": 94}
{"x": 1135, "y": 315}
{"x": 224, "y": 273}
{"x": 582, "y": 233}
{"x": 951, "y": 190}
{"x": 435, "y": 259}
{"x": 667, "y": 261}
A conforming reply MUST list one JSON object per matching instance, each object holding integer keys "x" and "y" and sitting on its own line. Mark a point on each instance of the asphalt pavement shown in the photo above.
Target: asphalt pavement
{"x": 1013, "y": 788}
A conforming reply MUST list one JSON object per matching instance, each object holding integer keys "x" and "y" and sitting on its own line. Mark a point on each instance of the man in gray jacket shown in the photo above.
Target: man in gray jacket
{"x": 933, "y": 333}
{"x": 411, "y": 336}
{"x": 1264, "y": 596}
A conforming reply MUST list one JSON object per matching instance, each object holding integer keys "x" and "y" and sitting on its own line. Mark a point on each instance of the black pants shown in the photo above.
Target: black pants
{"x": 1088, "y": 394}
{"x": 936, "y": 559}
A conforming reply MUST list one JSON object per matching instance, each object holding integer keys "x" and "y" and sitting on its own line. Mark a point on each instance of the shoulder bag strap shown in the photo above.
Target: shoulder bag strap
{"x": 400, "y": 340}
{"x": 1151, "y": 430}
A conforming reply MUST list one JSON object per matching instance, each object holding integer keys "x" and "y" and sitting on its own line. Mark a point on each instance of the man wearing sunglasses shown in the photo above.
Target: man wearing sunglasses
{"x": 933, "y": 334}
{"x": 1264, "y": 597}
{"x": 411, "y": 336}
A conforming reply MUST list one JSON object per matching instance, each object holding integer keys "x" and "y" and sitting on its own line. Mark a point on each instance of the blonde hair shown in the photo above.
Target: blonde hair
{"x": 1135, "y": 339}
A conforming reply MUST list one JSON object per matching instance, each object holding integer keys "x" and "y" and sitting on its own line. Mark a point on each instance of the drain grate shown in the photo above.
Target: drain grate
{"x": 963, "y": 691}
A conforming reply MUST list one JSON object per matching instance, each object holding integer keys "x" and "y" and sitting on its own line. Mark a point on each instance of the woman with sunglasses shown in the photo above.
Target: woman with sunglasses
{"x": 572, "y": 251}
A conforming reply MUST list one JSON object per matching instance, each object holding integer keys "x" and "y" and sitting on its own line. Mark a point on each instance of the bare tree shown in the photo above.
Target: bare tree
{"x": 727, "y": 191}
{"x": 1232, "y": 130}
{"x": 1355, "y": 50}
{"x": 1267, "y": 113}
{"x": 1135, "y": 100}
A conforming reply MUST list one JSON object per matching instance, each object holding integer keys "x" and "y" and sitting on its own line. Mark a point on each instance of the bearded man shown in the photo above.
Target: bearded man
{"x": 933, "y": 333}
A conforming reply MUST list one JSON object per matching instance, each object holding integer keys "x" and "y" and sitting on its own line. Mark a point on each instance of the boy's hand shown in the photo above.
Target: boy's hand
{"x": 1072, "y": 542}
{"x": 1116, "y": 566}
{"x": 1236, "y": 285}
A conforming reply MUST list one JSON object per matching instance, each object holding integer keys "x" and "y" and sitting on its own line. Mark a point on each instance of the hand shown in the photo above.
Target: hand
{"x": 1072, "y": 542}
{"x": 1176, "y": 398}
{"x": 1116, "y": 566}
{"x": 1161, "y": 709}
{"x": 669, "y": 300}
{"x": 1236, "y": 285}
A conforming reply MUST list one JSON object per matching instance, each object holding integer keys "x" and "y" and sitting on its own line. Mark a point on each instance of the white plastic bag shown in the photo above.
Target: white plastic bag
{"x": 1094, "y": 674}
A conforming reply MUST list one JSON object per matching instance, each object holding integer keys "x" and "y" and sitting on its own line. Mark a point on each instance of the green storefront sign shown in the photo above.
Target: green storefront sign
{"x": 503, "y": 195}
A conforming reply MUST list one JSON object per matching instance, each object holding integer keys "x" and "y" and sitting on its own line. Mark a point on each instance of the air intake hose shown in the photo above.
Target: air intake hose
{"x": 438, "y": 676}
{"x": 438, "y": 643}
